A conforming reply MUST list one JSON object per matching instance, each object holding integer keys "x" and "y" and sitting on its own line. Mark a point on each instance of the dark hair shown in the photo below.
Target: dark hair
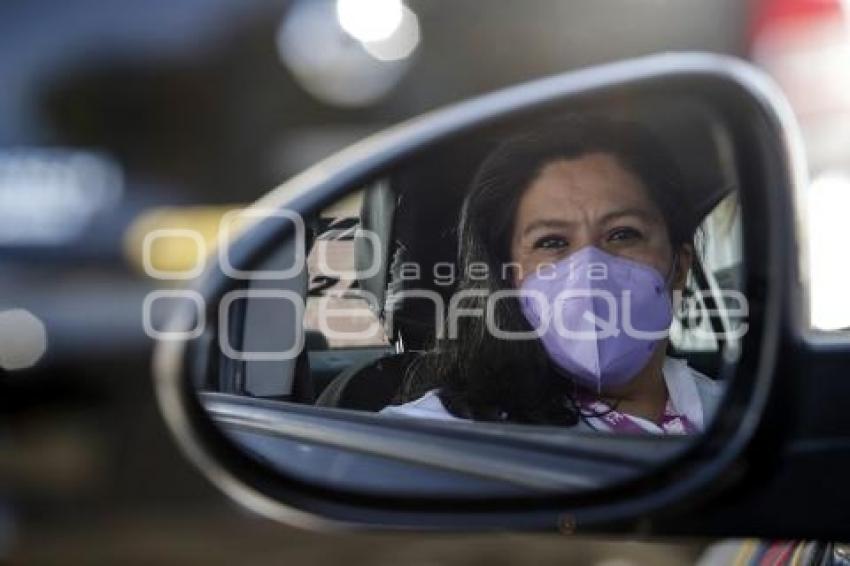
{"x": 480, "y": 376}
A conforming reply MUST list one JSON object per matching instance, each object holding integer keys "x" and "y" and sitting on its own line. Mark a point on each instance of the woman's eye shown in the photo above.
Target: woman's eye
{"x": 550, "y": 243}
{"x": 624, "y": 235}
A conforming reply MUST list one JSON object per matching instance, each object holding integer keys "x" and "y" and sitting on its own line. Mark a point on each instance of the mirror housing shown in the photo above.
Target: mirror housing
{"x": 732, "y": 452}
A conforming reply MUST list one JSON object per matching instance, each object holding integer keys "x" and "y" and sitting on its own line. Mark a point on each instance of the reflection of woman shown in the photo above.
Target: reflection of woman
{"x": 587, "y": 222}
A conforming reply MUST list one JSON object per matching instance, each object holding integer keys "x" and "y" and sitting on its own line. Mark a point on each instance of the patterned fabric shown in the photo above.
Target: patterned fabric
{"x": 777, "y": 553}
{"x": 755, "y": 552}
{"x": 601, "y": 416}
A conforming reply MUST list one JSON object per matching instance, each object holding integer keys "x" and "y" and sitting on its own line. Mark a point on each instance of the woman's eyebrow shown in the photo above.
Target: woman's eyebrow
{"x": 641, "y": 213}
{"x": 546, "y": 223}
{"x": 558, "y": 223}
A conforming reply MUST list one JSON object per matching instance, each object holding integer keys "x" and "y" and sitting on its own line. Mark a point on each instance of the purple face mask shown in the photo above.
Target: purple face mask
{"x": 599, "y": 316}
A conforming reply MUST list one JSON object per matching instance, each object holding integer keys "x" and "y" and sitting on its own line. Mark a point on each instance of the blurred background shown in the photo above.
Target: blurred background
{"x": 119, "y": 117}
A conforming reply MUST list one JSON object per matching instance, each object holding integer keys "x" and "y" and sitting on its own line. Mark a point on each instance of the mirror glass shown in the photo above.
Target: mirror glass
{"x": 553, "y": 302}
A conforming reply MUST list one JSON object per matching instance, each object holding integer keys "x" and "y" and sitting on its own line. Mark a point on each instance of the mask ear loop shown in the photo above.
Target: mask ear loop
{"x": 668, "y": 281}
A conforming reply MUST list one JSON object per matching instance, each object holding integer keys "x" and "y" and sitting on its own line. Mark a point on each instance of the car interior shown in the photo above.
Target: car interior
{"x": 412, "y": 212}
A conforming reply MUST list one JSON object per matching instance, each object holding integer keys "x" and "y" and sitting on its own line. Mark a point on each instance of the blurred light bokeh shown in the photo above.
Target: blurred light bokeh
{"x": 805, "y": 46}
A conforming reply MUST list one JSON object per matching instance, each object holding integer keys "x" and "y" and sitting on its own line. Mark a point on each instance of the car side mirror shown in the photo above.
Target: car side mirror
{"x": 255, "y": 378}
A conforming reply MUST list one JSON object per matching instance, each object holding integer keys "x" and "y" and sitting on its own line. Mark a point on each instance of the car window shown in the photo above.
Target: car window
{"x": 720, "y": 252}
{"x": 336, "y": 307}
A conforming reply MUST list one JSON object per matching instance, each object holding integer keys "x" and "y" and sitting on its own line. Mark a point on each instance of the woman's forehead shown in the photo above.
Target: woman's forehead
{"x": 595, "y": 184}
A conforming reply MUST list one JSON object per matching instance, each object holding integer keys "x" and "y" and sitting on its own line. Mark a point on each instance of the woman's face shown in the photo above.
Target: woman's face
{"x": 591, "y": 201}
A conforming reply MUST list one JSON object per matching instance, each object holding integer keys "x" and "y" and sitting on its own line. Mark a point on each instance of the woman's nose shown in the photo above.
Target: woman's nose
{"x": 579, "y": 242}
{"x": 598, "y": 243}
